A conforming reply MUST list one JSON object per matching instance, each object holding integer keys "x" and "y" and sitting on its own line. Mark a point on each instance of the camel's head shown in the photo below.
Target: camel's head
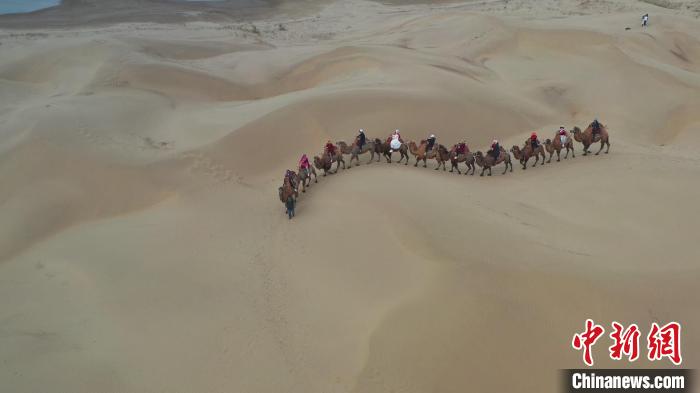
{"x": 548, "y": 141}
{"x": 514, "y": 149}
{"x": 377, "y": 141}
{"x": 576, "y": 130}
{"x": 479, "y": 154}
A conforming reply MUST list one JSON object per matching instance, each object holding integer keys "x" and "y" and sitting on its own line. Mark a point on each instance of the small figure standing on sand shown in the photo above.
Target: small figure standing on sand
{"x": 290, "y": 206}
{"x": 645, "y": 20}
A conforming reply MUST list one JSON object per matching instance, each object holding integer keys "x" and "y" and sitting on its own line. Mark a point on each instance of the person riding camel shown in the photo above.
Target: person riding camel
{"x": 288, "y": 176}
{"x": 461, "y": 149}
{"x": 304, "y": 163}
{"x": 495, "y": 149}
{"x": 360, "y": 139}
{"x": 562, "y": 134}
{"x": 395, "y": 140}
{"x": 330, "y": 149}
{"x": 595, "y": 128}
{"x": 394, "y": 135}
{"x": 534, "y": 141}
{"x": 431, "y": 143}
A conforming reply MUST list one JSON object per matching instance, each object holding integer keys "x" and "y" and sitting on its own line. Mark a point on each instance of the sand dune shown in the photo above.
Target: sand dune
{"x": 143, "y": 247}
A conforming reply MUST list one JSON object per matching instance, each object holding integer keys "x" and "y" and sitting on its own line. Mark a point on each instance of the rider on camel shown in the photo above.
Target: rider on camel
{"x": 431, "y": 143}
{"x": 534, "y": 141}
{"x": 360, "y": 139}
{"x": 461, "y": 148}
{"x": 562, "y": 131}
{"x": 395, "y": 134}
{"x": 330, "y": 149}
{"x": 289, "y": 176}
{"x": 595, "y": 128}
{"x": 304, "y": 163}
{"x": 495, "y": 149}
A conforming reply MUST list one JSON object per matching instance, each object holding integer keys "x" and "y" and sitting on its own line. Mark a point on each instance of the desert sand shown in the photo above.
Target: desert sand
{"x": 143, "y": 247}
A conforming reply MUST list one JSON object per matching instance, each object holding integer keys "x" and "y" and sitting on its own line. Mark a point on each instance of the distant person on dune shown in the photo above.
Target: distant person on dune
{"x": 645, "y": 20}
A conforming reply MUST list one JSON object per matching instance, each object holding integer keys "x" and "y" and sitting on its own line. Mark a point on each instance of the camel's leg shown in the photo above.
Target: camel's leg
{"x": 602, "y": 145}
{"x": 607, "y": 142}
{"x": 425, "y": 162}
{"x": 489, "y": 171}
{"x": 482, "y": 171}
{"x": 567, "y": 153}
{"x": 524, "y": 162}
{"x": 406, "y": 159}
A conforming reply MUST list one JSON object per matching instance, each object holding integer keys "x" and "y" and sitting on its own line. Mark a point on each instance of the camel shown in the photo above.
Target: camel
{"x": 386, "y": 150}
{"x": 467, "y": 158}
{"x": 305, "y": 177}
{"x": 289, "y": 188}
{"x": 442, "y": 155}
{"x": 555, "y": 145}
{"x": 419, "y": 151}
{"x": 527, "y": 152}
{"x": 325, "y": 162}
{"x": 487, "y": 161}
{"x": 354, "y": 152}
{"x": 586, "y": 138}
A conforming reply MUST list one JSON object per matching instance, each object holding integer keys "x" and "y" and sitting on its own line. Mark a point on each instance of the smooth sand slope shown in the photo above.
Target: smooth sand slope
{"x": 143, "y": 247}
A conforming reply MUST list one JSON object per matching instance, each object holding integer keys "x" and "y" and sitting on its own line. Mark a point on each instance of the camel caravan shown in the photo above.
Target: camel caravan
{"x": 429, "y": 149}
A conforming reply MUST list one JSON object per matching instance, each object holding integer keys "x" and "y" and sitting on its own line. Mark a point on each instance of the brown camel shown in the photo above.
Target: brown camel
{"x": 289, "y": 188}
{"x": 467, "y": 158}
{"x": 419, "y": 151}
{"x": 556, "y": 144}
{"x": 386, "y": 150}
{"x": 586, "y": 138}
{"x": 527, "y": 152}
{"x": 487, "y": 161}
{"x": 355, "y": 152}
{"x": 325, "y": 162}
{"x": 442, "y": 156}
{"x": 305, "y": 177}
